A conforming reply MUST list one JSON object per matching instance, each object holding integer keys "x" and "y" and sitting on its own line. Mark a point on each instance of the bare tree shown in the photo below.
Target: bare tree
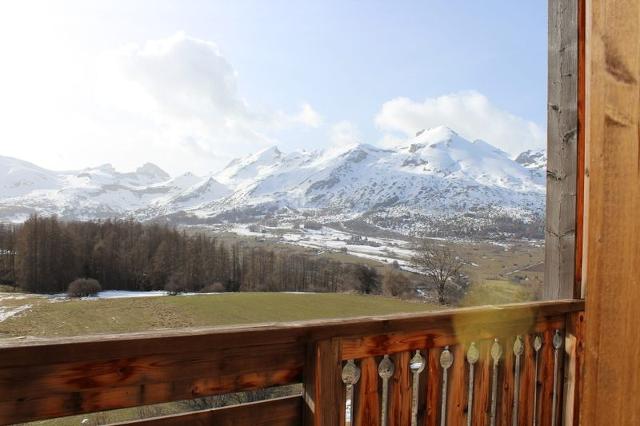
{"x": 395, "y": 283}
{"x": 439, "y": 263}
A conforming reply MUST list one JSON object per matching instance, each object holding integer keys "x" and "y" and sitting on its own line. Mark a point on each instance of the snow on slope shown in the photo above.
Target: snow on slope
{"x": 437, "y": 174}
{"x": 98, "y": 192}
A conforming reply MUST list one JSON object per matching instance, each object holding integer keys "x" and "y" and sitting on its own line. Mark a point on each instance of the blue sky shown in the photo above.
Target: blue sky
{"x": 299, "y": 74}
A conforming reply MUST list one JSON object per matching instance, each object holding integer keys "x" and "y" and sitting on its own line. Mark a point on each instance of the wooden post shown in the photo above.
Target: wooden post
{"x": 612, "y": 228}
{"x": 574, "y": 369}
{"x": 323, "y": 393}
{"x": 562, "y": 130}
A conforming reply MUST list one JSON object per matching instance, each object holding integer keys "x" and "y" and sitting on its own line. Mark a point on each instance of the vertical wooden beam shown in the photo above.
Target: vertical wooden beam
{"x": 612, "y": 269}
{"x": 578, "y": 290}
{"x": 434, "y": 387}
{"x": 562, "y": 130}
{"x": 367, "y": 410}
{"x": 323, "y": 393}
{"x": 574, "y": 369}
{"x": 400, "y": 391}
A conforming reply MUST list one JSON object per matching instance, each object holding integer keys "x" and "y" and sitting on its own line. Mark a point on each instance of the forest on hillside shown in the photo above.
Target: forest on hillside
{"x": 45, "y": 254}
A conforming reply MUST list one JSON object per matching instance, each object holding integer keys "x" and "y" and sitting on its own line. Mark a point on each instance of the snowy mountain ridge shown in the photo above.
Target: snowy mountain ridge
{"x": 432, "y": 180}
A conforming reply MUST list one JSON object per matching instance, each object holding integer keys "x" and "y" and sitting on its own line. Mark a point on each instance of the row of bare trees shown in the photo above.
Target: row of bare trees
{"x": 44, "y": 255}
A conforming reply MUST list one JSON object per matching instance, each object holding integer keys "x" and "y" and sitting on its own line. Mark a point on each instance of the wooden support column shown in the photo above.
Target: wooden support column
{"x": 612, "y": 272}
{"x": 323, "y": 393}
{"x": 612, "y": 227}
{"x": 562, "y": 141}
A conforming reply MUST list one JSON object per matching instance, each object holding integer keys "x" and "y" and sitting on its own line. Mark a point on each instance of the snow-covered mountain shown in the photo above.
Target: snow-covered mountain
{"x": 432, "y": 181}
{"x": 96, "y": 193}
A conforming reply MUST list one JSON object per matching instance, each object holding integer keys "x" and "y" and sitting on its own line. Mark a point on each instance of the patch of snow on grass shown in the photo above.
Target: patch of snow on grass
{"x": 7, "y": 312}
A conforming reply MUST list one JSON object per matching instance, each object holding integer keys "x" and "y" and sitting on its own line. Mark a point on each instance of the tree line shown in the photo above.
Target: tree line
{"x": 45, "y": 254}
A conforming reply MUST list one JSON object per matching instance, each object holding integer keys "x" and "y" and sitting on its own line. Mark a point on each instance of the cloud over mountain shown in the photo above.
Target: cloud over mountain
{"x": 186, "y": 87}
{"x": 470, "y": 113}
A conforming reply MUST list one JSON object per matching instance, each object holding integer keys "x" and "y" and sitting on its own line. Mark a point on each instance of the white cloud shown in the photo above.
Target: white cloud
{"x": 172, "y": 101}
{"x": 469, "y": 113}
{"x": 344, "y": 133}
{"x": 308, "y": 116}
{"x": 187, "y": 89}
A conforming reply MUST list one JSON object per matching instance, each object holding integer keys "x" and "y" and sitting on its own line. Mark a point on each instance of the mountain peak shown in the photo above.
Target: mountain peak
{"x": 269, "y": 151}
{"x": 106, "y": 168}
{"x": 533, "y": 158}
{"x": 151, "y": 170}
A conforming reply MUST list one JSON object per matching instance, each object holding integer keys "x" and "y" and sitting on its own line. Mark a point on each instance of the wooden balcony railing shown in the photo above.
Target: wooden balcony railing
{"x": 53, "y": 378}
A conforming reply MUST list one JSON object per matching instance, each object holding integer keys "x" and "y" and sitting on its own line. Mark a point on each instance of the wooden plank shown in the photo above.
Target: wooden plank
{"x": 457, "y": 397}
{"x": 506, "y": 376}
{"x": 574, "y": 371}
{"x": 367, "y": 405}
{"x": 612, "y": 274}
{"x": 324, "y": 394}
{"x": 562, "y": 127}
{"x": 400, "y": 391}
{"x": 365, "y": 346}
{"x": 422, "y": 389}
{"x": 527, "y": 382}
{"x": 578, "y": 290}
{"x": 233, "y": 363}
{"x": 434, "y": 388}
{"x": 547, "y": 384}
{"x": 276, "y": 412}
{"x": 482, "y": 385}
{"x": 63, "y": 389}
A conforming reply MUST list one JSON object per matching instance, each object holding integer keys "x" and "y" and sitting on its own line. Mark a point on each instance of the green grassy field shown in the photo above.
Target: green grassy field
{"x": 47, "y": 318}
{"x": 496, "y": 292}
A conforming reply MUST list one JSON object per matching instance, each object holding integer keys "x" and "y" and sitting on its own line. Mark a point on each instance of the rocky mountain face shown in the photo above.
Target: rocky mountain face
{"x": 437, "y": 182}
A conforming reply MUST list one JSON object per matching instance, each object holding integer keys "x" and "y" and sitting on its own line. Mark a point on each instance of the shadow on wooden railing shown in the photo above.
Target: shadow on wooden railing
{"x": 53, "y": 378}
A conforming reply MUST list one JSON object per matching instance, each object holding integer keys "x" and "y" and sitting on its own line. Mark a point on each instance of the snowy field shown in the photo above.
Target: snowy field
{"x": 122, "y": 294}
{"x": 8, "y": 312}
{"x": 385, "y": 250}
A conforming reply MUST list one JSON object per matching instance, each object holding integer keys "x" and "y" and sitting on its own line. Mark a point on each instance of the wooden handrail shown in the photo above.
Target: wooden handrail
{"x": 58, "y": 377}
{"x": 285, "y": 411}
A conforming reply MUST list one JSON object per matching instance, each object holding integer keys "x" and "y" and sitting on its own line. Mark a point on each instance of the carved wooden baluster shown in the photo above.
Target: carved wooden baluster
{"x": 557, "y": 344}
{"x": 446, "y": 361}
{"x": 537, "y": 345}
{"x": 385, "y": 371}
{"x": 496, "y": 354}
{"x": 350, "y": 376}
{"x": 472, "y": 357}
{"x": 416, "y": 365}
{"x": 518, "y": 349}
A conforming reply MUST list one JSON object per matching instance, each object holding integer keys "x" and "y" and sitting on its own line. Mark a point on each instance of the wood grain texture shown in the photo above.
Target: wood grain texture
{"x": 275, "y": 412}
{"x": 324, "y": 390}
{"x": 52, "y": 390}
{"x": 400, "y": 391}
{"x": 528, "y": 382}
{"x": 438, "y": 337}
{"x": 507, "y": 365}
{"x": 562, "y": 129}
{"x": 482, "y": 385}
{"x": 367, "y": 411}
{"x": 612, "y": 273}
{"x": 434, "y": 386}
{"x": 574, "y": 368}
{"x": 46, "y": 379}
{"x": 457, "y": 397}
{"x": 578, "y": 291}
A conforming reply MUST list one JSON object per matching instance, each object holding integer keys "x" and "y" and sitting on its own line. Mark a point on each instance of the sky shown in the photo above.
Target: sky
{"x": 190, "y": 85}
